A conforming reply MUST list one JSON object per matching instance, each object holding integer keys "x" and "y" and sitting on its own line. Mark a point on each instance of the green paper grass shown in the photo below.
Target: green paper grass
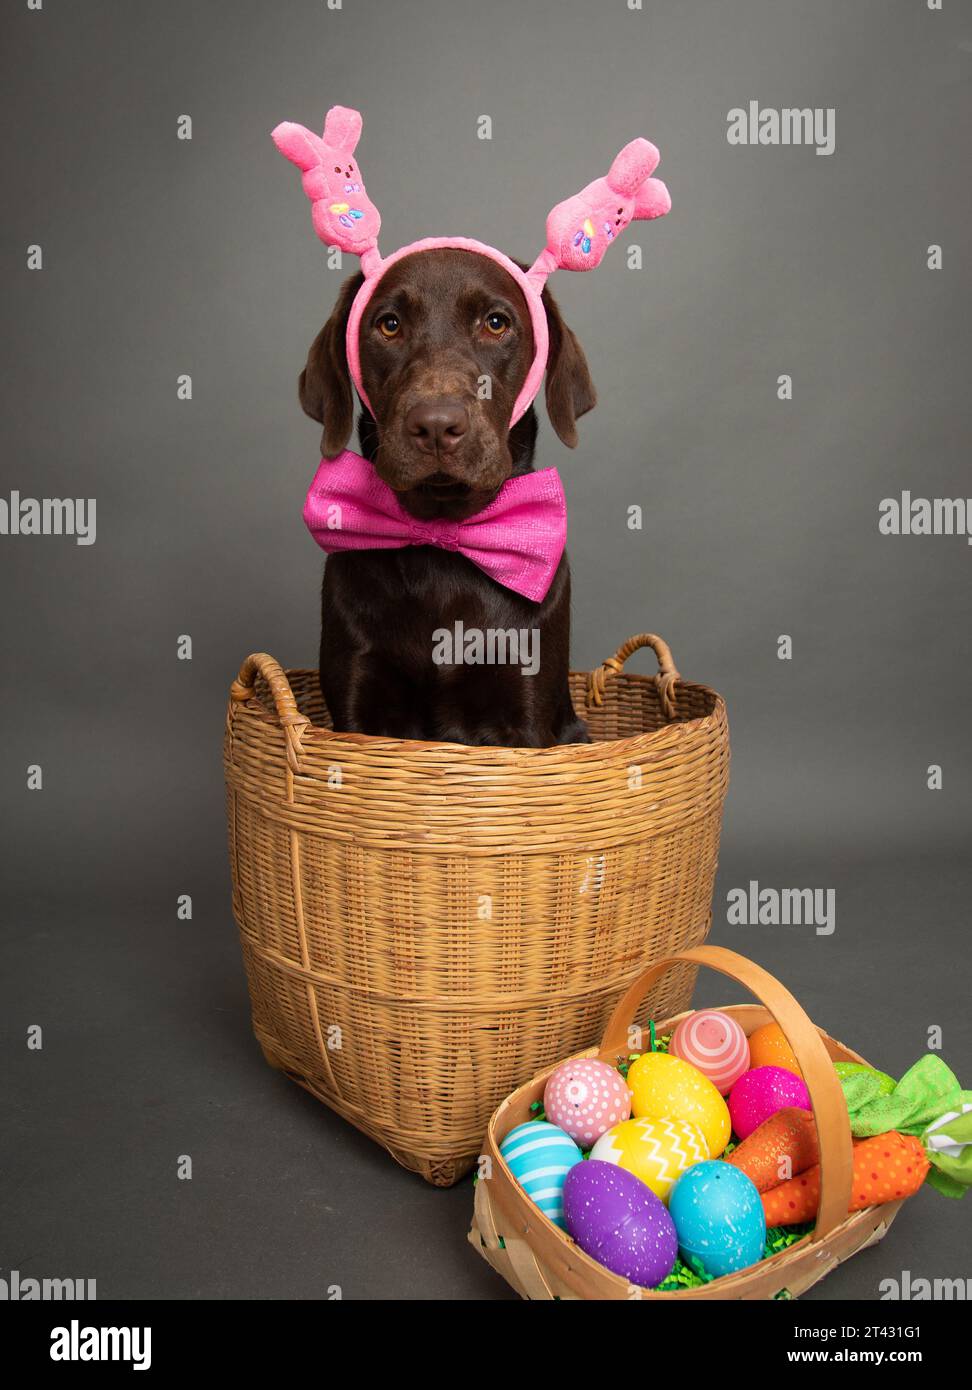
{"x": 691, "y": 1275}
{"x": 684, "y": 1275}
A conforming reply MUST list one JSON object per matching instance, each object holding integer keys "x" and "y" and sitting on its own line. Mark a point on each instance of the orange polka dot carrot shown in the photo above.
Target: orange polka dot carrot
{"x": 886, "y": 1167}
{"x": 783, "y": 1145}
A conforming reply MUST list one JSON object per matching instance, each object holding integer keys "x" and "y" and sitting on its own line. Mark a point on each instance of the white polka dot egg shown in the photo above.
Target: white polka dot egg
{"x": 586, "y": 1098}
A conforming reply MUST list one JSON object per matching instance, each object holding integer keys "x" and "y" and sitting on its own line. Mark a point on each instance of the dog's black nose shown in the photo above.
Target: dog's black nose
{"x": 437, "y": 426}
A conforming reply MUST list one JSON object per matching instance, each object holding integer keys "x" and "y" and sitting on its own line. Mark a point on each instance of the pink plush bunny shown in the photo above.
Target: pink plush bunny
{"x": 580, "y": 228}
{"x": 342, "y": 213}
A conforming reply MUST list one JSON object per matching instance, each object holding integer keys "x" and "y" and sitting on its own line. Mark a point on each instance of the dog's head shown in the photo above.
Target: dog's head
{"x": 445, "y": 343}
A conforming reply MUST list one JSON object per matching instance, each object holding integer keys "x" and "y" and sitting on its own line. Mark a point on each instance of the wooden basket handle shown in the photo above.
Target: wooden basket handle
{"x": 664, "y": 681}
{"x": 826, "y": 1095}
{"x": 291, "y": 720}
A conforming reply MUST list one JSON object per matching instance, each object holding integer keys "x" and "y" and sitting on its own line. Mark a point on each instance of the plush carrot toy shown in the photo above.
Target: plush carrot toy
{"x": 782, "y": 1146}
{"x": 886, "y": 1167}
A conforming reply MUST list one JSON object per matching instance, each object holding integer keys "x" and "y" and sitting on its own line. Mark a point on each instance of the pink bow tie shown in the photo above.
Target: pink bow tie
{"x": 517, "y": 540}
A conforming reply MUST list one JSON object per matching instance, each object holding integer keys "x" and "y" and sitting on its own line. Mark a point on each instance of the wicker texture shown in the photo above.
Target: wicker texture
{"x": 541, "y": 1261}
{"x": 424, "y": 925}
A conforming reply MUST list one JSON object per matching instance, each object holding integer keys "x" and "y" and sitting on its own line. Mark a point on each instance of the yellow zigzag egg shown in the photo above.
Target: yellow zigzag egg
{"x": 656, "y": 1151}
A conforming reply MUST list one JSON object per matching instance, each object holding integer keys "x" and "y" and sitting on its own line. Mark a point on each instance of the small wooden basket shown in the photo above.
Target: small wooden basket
{"x": 540, "y": 1260}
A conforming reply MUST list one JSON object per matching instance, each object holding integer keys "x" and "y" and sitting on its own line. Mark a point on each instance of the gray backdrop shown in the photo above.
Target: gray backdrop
{"x": 163, "y": 257}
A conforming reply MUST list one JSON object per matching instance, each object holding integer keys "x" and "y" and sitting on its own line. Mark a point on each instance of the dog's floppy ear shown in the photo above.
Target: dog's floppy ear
{"x": 570, "y": 391}
{"x": 324, "y": 388}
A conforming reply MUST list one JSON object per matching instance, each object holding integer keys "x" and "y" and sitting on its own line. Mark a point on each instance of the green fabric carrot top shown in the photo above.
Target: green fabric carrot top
{"x": 929, "y": 1103}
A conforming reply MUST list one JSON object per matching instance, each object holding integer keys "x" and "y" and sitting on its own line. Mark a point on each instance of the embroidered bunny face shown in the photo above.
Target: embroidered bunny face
{"x": 579, "y": 229}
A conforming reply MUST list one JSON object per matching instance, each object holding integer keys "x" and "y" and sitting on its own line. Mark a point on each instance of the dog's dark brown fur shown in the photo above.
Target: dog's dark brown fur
{"x": 428, "y": 338}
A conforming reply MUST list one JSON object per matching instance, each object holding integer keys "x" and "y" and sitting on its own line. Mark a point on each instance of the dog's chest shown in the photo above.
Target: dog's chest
{"x": 405, "y": 598}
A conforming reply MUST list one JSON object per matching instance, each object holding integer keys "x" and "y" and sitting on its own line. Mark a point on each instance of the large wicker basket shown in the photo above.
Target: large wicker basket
{"x": 426, "y": 924}
{"x": 540, "y": 1260}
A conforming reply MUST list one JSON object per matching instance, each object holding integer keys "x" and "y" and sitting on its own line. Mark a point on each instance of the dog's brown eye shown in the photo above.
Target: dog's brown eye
{"x": 496, "y": 324}
{"x": 389, "y": 326}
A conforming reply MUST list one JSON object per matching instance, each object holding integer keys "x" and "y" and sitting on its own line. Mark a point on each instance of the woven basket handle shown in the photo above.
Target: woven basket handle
{"x": 665, "y": 680}
{"x": 292, "y": 721}
{"x": 826, "y": 1095}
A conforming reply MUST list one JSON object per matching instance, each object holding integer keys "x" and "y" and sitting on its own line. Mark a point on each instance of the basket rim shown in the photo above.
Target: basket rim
{"x": 500, "y": 753}
{"x": 727, "y": 1281}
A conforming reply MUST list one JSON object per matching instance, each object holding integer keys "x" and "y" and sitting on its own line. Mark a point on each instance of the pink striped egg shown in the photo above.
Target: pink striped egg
{"x": 586, "y": 1098}
{"x": 715, "y": 1045}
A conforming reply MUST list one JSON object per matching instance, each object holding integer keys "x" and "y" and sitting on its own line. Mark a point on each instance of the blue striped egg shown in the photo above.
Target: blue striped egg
{"x": 539, "y": 1155}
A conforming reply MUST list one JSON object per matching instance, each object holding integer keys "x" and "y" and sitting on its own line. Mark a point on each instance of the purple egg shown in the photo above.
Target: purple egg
{"x": 620, "y": 1222}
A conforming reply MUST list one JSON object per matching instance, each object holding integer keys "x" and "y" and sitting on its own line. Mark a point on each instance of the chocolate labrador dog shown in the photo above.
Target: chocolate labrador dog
{"x": 438, "y": 323}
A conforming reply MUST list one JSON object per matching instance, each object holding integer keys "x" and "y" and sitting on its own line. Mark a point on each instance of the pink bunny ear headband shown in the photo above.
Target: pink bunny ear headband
{"x": 579, "y": 230}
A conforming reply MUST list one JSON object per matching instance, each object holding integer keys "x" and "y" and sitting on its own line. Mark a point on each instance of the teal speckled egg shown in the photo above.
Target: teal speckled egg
{"x": 718, "y": 1216}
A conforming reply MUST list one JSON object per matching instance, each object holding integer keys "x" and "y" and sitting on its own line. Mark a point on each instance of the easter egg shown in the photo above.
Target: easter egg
{"x": 768, "y": 1047}
{"x": 656, "y": 1151}
{"x": 886, "y": 1083}
{"x": 760, "y": 1093}
{"x": 618, "y": 1221}
{"x": 718, "y": 1216}
{"x": 666, "y": 1088}
{"x": 715, "y": 1045}
{"x": 585, "y": 1098}
{"x": 540, "y": 1156}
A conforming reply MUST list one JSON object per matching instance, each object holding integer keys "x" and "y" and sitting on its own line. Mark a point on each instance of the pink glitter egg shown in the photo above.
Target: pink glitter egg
{"x": 715, "y": 1045}
{"x": 586, "y": 1098}
{"x": 760, "y": 1093}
